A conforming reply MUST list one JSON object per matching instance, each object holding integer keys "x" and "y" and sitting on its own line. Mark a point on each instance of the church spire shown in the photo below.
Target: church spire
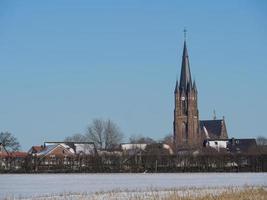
{"x": 194, "y": 85}
{"x": 176, "y": 87}
{"x": 186, "y": 127}
{"x": 185, "y": 77}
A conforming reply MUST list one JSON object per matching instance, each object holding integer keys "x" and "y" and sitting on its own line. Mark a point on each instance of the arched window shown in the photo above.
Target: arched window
{"x": 184, "y": 132}
{"x": 184, "y": 107}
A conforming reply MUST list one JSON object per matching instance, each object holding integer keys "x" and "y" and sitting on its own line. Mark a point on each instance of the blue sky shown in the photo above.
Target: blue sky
{"x": 64, "y": 63}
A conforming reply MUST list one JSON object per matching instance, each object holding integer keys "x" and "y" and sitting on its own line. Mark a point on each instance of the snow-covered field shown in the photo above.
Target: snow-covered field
{"x": 33, "y": 185}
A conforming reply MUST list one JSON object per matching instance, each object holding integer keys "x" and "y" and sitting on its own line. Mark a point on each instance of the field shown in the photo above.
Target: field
{"x": 133, "y": 186}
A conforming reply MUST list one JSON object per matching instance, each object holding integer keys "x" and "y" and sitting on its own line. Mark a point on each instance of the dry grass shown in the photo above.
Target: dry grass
{"x": 230, "y": 194}
{"x": 243, "y": 193}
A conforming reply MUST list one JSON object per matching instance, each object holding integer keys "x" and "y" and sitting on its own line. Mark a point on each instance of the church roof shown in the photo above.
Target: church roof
{"x": 214, "y": 127}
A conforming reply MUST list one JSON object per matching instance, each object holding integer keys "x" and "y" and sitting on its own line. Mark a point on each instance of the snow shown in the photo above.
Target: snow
{"x": 30, "y": 185}
{"x": 87, "y": 149}
{"x": 129, "y": 146}
{"x": 46, "y": 150}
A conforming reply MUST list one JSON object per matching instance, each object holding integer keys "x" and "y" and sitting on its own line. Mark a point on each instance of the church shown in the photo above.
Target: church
{"x": 188, "y": 130}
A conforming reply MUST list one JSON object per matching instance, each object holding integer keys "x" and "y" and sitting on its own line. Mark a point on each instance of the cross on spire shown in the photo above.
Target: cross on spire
{"x": 185, "y": 33}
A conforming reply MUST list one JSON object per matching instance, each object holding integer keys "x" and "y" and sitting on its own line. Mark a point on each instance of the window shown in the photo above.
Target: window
{"x": 184, "y": 132}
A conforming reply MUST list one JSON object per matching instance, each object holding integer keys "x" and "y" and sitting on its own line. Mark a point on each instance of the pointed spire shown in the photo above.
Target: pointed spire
{"x": 189, "y": 87}
{"x": 185, "y": 77}
{"x": 176, "y": 87}
{"x": 183, "y": 92}
{"x": 194, "y": 86}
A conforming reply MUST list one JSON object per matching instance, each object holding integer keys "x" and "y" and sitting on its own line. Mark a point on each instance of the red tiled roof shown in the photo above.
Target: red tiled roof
{"x": 3, "y": 154}
{"x": 19, "y": 154}
{"x": 37, "y": 148}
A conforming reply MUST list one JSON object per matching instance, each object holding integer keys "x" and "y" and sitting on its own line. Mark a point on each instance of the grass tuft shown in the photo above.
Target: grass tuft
{"x": 230, "y": 193}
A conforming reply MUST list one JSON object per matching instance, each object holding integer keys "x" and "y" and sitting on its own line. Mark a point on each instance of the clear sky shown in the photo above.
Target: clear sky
{"x": 63, "y": 63}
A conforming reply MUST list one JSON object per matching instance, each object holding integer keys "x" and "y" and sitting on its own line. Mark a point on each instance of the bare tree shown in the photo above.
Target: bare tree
{"x": 139, "y": 139}
{"x": 112, "y": 135}
{"x": 76, "y": 138}
{"x": 9, "y": 142}
{"x": 105, "y": 134}
{"x": 261, "y": 140}
{"x": 168, "y": 139}
{"x": 95, "y": 133}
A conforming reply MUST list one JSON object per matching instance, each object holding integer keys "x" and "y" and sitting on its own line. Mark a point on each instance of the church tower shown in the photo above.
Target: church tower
{"x": 186, "y": 118}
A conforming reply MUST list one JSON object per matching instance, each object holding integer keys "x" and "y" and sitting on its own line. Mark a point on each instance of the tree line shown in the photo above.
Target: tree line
{"x": 152, "y": 161}
{"x": 105, "y": 134}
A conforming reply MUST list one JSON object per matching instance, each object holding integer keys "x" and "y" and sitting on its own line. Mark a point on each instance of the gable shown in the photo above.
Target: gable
{"x": 214, "y": 128}
{"x": 85, "y": 148}
{"x": 57, "y": 151}
{"x": 35, "y": 149}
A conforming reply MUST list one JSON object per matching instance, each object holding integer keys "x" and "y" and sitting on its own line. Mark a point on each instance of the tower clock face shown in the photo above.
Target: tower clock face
{"x": 183, "y": 98}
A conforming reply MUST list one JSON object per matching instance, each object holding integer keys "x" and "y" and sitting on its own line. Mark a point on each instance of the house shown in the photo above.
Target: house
{"x": 60, "y": 153}
{"x": 35, "y": 149}
{"x": 231, "y": 145}
{"x": 158, "y": 149}
{"x": 78, "y": 148}
{"x": 132, "y": 149}
{"x": 242, "y": 145}
{"x": 11, "y": 160}
{"x": 217, "y": 145}
{"x": 56, "y": 154}
{"x": 17, "y": 159}
{"x": 3, "y": 157}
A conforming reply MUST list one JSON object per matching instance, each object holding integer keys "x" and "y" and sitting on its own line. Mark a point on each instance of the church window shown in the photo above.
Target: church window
{"x": 184, "y": 107}
{"x": 184, "y": 132}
